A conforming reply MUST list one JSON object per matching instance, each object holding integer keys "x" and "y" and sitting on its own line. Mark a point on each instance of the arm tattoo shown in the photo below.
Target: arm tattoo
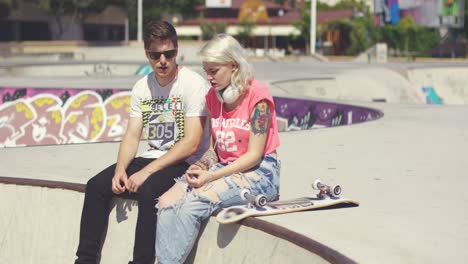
{"x": 208, "y": 159}
{"x": 260, "y": 120}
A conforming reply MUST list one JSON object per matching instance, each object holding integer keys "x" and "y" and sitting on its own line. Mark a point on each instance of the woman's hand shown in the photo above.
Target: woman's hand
{"x": 194, "y": 167}
{"x": 196, "y": 178}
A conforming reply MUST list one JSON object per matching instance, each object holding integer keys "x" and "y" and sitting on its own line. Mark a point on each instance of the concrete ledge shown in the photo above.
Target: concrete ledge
{"x": 52, "y": 235}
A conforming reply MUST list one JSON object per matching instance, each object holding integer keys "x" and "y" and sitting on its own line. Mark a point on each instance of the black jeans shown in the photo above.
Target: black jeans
{"x": 96, "y": 210}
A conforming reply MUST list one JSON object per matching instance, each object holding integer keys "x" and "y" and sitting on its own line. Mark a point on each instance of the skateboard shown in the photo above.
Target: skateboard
{"x": 257, "y": 205}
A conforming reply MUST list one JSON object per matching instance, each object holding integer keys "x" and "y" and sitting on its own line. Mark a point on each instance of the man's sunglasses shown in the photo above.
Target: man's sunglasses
{"x": 156, "y": 55}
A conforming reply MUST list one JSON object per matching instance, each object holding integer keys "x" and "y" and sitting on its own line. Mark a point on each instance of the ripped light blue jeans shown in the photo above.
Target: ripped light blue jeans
{"x": 179, "y": 223}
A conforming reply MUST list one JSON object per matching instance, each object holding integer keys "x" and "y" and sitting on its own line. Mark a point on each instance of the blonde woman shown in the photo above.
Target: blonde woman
{"x": 244, "y": 137}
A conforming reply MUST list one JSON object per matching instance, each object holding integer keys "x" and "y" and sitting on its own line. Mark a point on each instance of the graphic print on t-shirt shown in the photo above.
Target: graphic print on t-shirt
{"x": 231, "y": 134}
{"x": 164, "y": 121}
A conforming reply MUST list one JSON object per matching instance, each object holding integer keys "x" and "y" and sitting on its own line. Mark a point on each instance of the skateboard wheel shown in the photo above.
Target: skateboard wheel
{"x": 260, "y": 200}
{"x": 244, "y": 193}
{"x": 336, "y": 190}
{"x": 316, "y": 184}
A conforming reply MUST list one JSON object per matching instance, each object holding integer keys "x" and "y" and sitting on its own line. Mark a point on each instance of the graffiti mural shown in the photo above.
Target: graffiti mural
{"x": 299, "y": 114}
{"x": 35, "y": 116}
{"x": 431, "y": 95}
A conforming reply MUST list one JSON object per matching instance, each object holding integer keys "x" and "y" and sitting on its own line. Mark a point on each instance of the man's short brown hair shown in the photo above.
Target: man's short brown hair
{"x": 159, "y": 30}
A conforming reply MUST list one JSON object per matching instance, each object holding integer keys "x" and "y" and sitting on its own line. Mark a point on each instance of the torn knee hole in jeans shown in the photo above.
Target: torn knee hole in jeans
{"x": 172, "y": 196}
{"x": 211, "y": 190}
{"x": 252, "y": 176}
{"x": 242, "y": 179}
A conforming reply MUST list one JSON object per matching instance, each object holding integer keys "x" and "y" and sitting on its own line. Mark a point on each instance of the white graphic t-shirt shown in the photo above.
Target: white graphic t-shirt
{"x": 164, "y": 110}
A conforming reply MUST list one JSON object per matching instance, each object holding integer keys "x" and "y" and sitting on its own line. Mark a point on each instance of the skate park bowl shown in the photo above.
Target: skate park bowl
{"x": 46, "y": 212}
{"x": 412, "y": 85}
{"x": 49, "y": 117}
{"x": 53, "y": 138}
{"x": 77, "y": 69}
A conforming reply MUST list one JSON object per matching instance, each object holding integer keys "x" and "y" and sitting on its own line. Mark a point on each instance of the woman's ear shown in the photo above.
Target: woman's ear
{"x": 234, "y": 67}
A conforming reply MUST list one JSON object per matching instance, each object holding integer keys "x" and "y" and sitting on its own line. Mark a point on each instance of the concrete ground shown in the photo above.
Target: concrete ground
{"x": 408, "y": 169}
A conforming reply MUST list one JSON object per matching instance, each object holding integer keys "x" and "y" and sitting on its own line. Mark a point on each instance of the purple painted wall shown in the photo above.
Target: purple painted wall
{"x": 300, "y": 114}
{"x": 37, "y": 116}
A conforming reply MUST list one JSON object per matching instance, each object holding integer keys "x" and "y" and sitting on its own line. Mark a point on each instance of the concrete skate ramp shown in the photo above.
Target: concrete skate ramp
{"x": 391, "y": 84}
{"x": 41, "y": 225}
{"x": 75, "y": 69}
{"x": 366, "y": 85}
{"x": 449, "y": 84}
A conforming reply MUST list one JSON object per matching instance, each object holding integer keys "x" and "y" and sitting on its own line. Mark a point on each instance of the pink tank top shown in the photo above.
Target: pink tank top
{"x": 231, "y": 129}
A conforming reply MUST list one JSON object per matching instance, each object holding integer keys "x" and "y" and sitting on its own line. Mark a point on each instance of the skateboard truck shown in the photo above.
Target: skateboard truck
{"x": 325, "y": 190}
{"x": 257, "y": 200}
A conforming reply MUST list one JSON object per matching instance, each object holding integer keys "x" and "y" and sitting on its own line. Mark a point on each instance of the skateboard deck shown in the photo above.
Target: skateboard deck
{"x": 257, "y": 207}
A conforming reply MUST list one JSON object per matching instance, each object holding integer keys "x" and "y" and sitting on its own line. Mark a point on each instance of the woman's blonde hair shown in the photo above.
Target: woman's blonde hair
{"x": 224, "y": 49}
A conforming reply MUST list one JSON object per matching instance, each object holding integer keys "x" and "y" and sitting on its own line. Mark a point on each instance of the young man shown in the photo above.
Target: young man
{"x": 169, "y": 106}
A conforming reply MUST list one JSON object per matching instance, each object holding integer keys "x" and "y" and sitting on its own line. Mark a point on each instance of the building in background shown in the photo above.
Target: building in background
{"x": 427, "y": 13}
{"x": 28, "y": 22}
{"x": 273, "y": 23}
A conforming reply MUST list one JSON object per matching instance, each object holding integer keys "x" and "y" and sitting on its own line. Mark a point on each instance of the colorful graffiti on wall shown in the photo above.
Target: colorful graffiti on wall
{"x": 36, "y": 116}
{"x": 431, "y": 95}
{"x": 300, "y": 114}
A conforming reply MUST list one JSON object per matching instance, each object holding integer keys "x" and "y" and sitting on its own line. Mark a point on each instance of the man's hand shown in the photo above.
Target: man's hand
{"x": 136, "y": 180}
{"x": 119, "y": 181}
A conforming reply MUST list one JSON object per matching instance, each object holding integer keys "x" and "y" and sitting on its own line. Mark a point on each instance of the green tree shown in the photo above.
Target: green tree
{"x": 344, "y": 5}
{"x": 7, "y": 7}
{"x": 407, "y": 30}
{"x": 246, "y": 28}
{"x": 408, "y": 38}
{"x": 359, "y": 34}
{"x": 209, "y": 29}
{"x": 352, "y": 4}
{"x": 425, "y": 41}
{"x": 389, "y": 35}
{"x": 160, "y": 9}
{"x": 303, "y": 26}
{"x": 78, "y": 9}
{"x": 363, "y": 35}
{"x": 280, "y": 2}
{"x": 464, "y": 30}
{"x": 323, "y": 6}
{"x": 465, "y": 26}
